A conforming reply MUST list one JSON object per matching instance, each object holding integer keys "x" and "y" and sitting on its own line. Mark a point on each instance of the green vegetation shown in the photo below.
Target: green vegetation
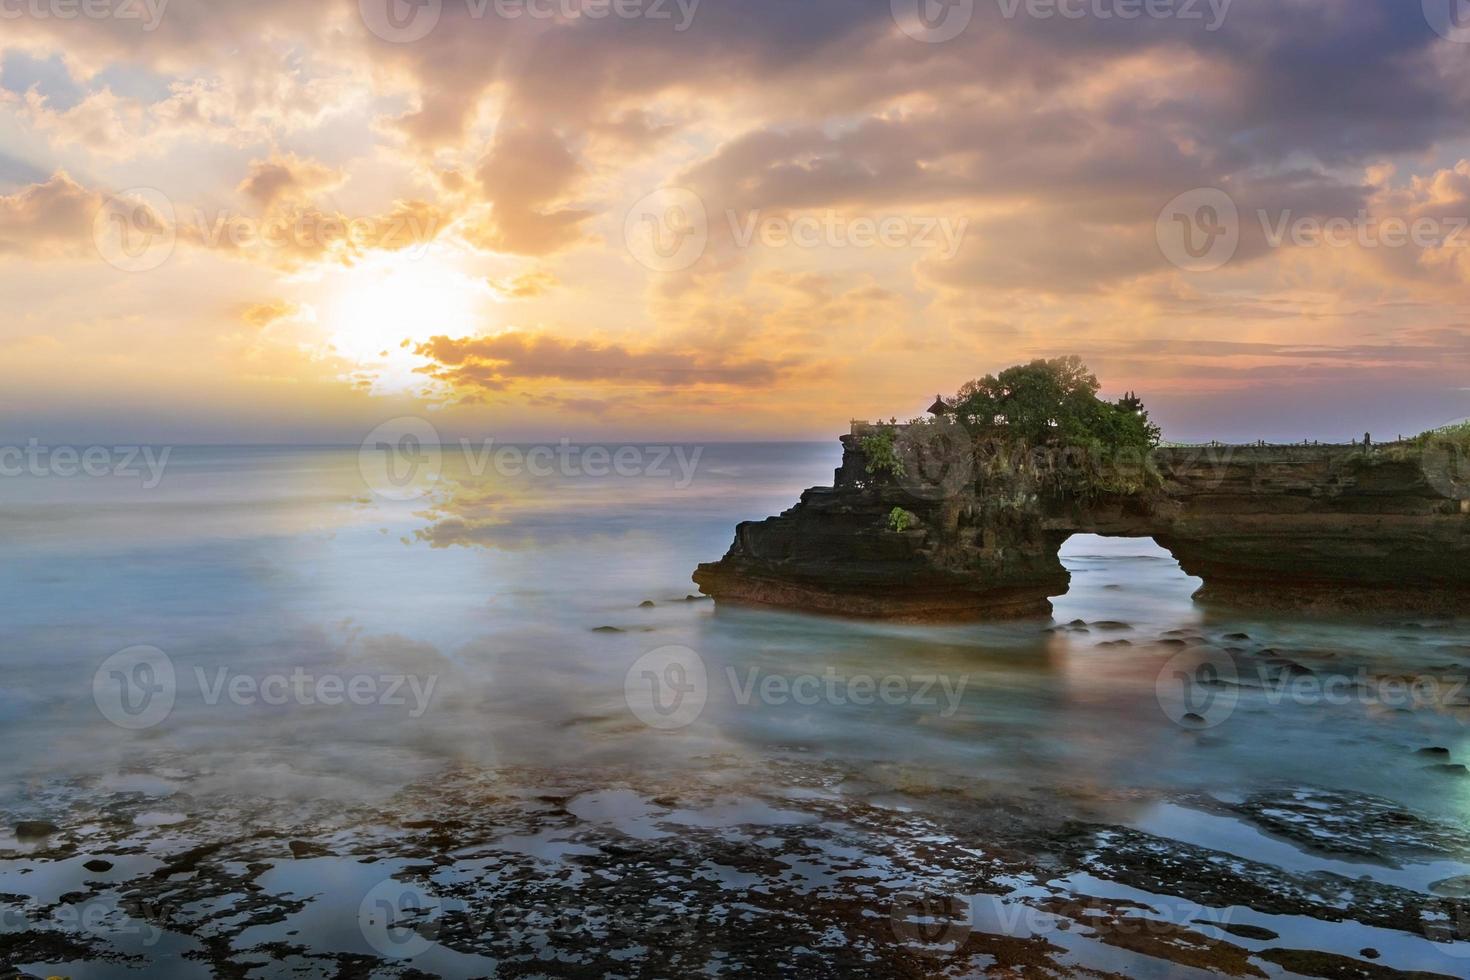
{"x": 901, "y": 520}
{"x": 1051, "y": 409}
{"x": 1050, "y": 401}
{"x": 1457, "y": 435}
{"x": 881, "y": 453}
{"x": 1037, "y": 427}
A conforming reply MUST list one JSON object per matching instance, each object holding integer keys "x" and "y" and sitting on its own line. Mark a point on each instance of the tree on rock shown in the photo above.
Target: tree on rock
{"x": 1054, "y": 402}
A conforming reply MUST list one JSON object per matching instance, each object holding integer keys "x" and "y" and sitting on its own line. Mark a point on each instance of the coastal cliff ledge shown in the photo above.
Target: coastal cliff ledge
{"x": 968, "y": 530}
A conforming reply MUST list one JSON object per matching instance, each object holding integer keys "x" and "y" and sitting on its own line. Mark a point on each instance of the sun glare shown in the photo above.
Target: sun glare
{"x": 379, "y": 304}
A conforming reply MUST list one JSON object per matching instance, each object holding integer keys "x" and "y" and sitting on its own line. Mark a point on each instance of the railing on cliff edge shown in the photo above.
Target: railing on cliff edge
{"x": 858, "y": 427}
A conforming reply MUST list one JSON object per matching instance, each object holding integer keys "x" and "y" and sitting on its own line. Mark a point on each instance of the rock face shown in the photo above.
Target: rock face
{"x": 1326, "y": 526}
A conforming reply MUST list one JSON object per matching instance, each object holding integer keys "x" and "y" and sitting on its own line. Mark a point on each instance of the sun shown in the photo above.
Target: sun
{"x": 386, "y": 300}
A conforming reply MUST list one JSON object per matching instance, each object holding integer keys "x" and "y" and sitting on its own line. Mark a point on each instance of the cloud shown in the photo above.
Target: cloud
{"x": 526, "y": 174}
{"x": 52, "y": 218}
{"x": 265, "y": 314}
{"x": 286, "y": 177}
{"x": 527, "y": 285}
{"x": 494, "y": 363}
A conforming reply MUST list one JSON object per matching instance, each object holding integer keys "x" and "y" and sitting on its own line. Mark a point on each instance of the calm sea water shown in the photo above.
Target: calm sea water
{"x": 263, "y": 625}
{"x": 488, "y": 601}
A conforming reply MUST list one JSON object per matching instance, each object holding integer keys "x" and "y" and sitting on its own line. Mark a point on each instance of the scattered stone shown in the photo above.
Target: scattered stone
{"x": 646, "y": 604}
{"x": 699, "y": 598}
{"x": 305, "y": 849}
{"x": 1369, "y": 953}
{"x": 1172, "y": 643}
{"x": 1448, "y": 769}
{"x": 1456, "y": 887}
{"x": 1237, "y": 636}
{"x": 1312, "y": 963}
{"x": 98, "y": 865}
{"x": 1435, "y": 750}
{"x": 1109, "y": 624}
{"x": 35, "y": 829}
{"x": 607, "y": 629}
{"x": 1194, "y": 719}
{"x": 1243, "y": 930}
{"x": 1116, "y": 643}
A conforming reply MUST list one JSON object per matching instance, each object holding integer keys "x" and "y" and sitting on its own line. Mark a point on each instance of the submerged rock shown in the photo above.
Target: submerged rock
{"x": 35, "y": 829}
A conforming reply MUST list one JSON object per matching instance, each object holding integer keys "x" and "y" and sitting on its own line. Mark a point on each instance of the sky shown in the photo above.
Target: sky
{"x": 277, "y": 221}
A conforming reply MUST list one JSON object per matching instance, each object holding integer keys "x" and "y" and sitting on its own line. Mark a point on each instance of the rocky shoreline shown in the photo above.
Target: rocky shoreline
{"x": 806, "y": 869}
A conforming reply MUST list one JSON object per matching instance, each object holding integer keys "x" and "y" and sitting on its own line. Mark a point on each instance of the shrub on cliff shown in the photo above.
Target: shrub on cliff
{"x": 882, "y": 454}
{"x": 1052, "y": 406}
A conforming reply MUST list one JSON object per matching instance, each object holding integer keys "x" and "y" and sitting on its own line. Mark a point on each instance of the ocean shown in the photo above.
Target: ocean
{"x": 288, "y": 642}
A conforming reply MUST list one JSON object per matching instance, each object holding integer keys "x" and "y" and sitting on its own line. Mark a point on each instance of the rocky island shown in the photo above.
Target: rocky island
{"x": 962, "y": 514}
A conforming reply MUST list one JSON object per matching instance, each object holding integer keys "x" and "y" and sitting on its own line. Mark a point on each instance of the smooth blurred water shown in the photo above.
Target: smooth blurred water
{"x": 262, "y": 561}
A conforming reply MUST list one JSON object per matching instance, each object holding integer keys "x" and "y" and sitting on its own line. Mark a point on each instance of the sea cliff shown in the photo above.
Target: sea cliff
{"x": 973, "y": 531}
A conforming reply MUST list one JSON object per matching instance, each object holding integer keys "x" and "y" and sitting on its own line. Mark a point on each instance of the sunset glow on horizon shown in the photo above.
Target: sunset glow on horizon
{"x": 288, "y": 222}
